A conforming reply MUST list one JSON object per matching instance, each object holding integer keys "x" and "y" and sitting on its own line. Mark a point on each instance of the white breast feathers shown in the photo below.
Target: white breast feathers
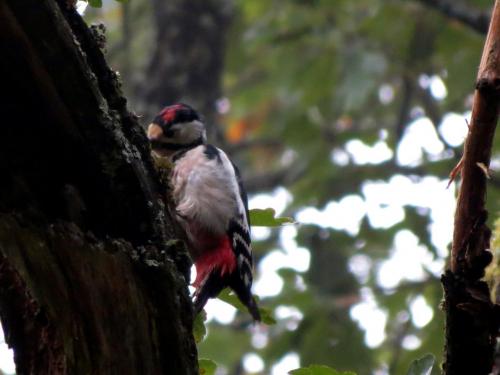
{"x": 205, "y": 189}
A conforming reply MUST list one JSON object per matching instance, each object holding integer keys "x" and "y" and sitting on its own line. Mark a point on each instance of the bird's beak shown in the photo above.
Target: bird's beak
{"x": 155, "y": 132}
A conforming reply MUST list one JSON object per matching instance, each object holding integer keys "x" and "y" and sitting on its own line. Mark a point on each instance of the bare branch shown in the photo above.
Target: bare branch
{"x": 471, "y": 318}
{"x": 245, "y": 145}
{"x": 270, "y": 180}
{"x": 404, "y": 110}
{"x": 472, "y": 18}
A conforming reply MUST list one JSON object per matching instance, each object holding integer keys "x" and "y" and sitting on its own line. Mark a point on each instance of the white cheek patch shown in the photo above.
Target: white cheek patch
{"x": 184, "y": 133}
{"x": 188, "y": 132}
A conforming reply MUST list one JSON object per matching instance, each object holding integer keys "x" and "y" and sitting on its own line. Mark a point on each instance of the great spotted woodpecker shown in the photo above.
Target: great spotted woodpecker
{"x": 211, "y": 204}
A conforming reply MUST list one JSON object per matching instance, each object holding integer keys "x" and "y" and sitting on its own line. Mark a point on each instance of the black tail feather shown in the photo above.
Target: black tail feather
{"x": 253, "y": 309}
{"x": 199, "y": 303}
{"x": 211, "y": 288}
{"x": 214, "y": 284}
{"x": 245, "y": 296}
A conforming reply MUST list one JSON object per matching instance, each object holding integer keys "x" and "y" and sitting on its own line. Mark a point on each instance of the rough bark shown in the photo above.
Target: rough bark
{"x": 472, "y": 319}
{"x": 92, "y": 279}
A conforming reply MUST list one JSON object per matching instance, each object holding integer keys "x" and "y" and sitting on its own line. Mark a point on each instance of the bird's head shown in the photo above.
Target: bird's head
{"x": 176, "y": 127}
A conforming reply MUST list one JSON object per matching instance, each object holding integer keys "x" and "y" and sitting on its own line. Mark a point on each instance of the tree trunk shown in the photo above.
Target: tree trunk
{"x": 472, "y": 319}
{"x": 92, "y": 279}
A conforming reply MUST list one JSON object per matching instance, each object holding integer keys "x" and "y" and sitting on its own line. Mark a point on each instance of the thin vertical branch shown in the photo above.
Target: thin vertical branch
{"x": 470, "y": 214}
{"x": 472, "y": 320}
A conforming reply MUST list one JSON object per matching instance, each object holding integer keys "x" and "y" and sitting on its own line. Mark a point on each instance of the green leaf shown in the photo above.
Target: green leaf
{"x": 267, "y": 316}
{"x": 319, "y": 370}
{"x": 95, "y": 3}
{"x": 422, "y": 366}
{"x": 265, "y": 218}
{"x": 199, "y": 329}
{"x": 229, "y": 297}
{"x": 207, "y": 366}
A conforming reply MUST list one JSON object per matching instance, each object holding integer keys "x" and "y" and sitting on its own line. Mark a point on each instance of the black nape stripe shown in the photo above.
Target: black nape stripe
{"x": 158, "y": 145}
{"x": 211, "y": 152}
{"x": 186, "y": 114}
{"x": 179, "y": 155}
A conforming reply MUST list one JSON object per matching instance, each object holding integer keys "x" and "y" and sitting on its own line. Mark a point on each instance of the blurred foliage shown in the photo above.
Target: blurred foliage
{"x": 302, "y": 79}
{"x": 207, "y": 366}
{"x": 422, "y": 366}
{"x": 230, "y": 297}
{"x": 199, "y": 329}
{"x": 98, "y": 3}
{"x": 319, "y": 370}
{"x": 95, "y": 3}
